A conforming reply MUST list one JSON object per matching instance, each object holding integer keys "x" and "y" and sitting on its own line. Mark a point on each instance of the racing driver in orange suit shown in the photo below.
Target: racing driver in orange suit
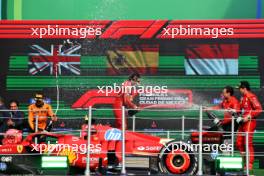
{"x": 41, "y": 111}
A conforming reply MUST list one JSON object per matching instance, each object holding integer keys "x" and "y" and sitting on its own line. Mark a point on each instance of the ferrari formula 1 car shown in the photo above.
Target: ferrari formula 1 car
{"x": 23, "y": 156}
{"x": 158, "y": 155}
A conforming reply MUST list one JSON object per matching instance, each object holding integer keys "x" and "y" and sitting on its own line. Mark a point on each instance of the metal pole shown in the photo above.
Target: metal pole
{"x": 200, "y": 169}
{"x": 133, "y": 123}
{"x": 183, "y": 128}
{"x": 168, "y": 134}
{"x": 232, "y": 134}
{"x": 36, "y": 128}
{"x": 87, "y": 171}
{"x": 247, "y": 154}
{"x": 36, "y": 124}
{"x": 123, "y": 171}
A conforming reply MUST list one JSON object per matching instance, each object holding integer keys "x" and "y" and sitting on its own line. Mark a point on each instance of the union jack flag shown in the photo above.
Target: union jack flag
{"x": 57, "y": 61}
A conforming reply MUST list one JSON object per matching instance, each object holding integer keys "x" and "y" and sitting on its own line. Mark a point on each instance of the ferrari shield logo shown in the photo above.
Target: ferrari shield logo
{"x": 19, "y": 148}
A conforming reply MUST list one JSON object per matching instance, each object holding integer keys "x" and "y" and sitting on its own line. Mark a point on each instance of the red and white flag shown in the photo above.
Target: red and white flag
{"x": 212, "y": 59}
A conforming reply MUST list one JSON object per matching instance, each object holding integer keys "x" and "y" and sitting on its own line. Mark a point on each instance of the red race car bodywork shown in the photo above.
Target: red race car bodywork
{"x": 104, "y": 140}
{"x": 106, "y": 148}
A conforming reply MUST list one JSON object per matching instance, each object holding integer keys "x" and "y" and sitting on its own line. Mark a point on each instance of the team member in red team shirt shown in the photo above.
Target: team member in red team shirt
{"x": 251, "y": 108}
{"x": 230, "y": 104}
{"x": 125, "y": 98}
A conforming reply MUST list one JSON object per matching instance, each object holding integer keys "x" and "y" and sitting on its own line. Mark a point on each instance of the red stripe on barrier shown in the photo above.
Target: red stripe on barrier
{"x": 231, "y": 21}
{"x": 5, "y": 27}
{"x": 235, "y": 26}
{"x": 144, "y": 29}
{"x": 36, "y": 22}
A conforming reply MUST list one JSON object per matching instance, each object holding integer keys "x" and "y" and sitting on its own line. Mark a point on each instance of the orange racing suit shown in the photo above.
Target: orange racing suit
{"x": 42, "y": 113}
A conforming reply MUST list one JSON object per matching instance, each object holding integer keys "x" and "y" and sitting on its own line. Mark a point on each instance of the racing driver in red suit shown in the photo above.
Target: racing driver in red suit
{"x": 251, "y": 108}
{"x": 125, "y": 98}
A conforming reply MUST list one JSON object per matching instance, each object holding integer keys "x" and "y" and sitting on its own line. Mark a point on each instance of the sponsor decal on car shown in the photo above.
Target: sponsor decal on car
{"x": 113, "y": 135}
{"x": 141, "y": 148}
{"x": 91, "y": 159}
{"x": 6, "y": 150}
{"x": 149, "y": 148}
{"x": 75, "y": 139}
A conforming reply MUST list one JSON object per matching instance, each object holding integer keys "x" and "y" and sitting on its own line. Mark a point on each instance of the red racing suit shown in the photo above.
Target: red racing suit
{"x": 231, "y": 103}
{"x": 124, "y": 98}
{"x": 250, "y": 107}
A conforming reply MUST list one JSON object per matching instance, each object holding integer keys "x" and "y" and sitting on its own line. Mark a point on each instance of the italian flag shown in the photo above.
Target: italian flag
{"x": 211, "y": 59}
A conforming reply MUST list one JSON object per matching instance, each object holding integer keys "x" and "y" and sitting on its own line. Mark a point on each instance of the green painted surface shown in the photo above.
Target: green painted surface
{"x": 18, "y": 9}
{"x": 257, "y": 172}
{"x": 134, "y": 9}
{"x": 197, "y": 82}
{"x": 10, "y": 9}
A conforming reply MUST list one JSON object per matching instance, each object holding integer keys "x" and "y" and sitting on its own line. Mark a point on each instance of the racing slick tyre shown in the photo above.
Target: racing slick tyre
{"x": 176, "y": 157}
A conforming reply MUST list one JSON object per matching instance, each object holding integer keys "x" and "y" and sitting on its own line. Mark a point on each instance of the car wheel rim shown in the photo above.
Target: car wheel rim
{"x": 178, "y": 161}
